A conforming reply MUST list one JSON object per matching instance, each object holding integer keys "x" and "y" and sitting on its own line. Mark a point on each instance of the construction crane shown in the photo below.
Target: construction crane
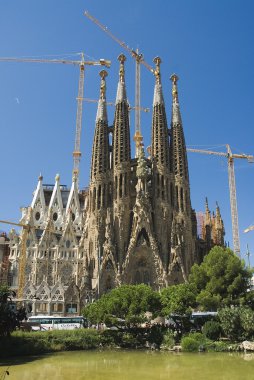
{"x": 139, "y": 59}
{"x": 232, "y": 188}
{"x": 81, "y": 63}
{"x": 250, "y": 228}
{"x": 26, "y": 228}
{"x": 113, "y": 104}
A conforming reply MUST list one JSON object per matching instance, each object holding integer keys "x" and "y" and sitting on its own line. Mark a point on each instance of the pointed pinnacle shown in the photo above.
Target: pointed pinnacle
{"x": 174, "y": 79}
{"x": 206, "y": 204}
{"x": 103, "y": 75}
{"x": 157, "y": 61}
{"x": 121, "y": 58}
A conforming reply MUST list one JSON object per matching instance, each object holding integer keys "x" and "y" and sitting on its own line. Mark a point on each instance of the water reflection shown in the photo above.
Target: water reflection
{"x": 133, "y": 365}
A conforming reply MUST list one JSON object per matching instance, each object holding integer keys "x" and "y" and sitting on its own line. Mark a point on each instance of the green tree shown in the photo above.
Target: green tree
{"x": 237, "y": 322}
{"x": 7, "y": 316}
{"x": 178, "y": 299}
{"x": 126, "y": 305}
{"x": 9, "y": 319}
{"x": 220, "y": 280}
{"x": 247, "y": 321}
{"x": 230, "y": 319}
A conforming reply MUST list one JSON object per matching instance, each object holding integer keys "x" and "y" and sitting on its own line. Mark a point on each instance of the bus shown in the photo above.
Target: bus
{"x": 48, "y": 322}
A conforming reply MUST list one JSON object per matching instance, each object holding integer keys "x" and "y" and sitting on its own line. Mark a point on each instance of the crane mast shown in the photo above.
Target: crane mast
{"x": 139, "y": 59}
{"x": 77, "y": 151}
{"x": 232, "y": 188}
{"x": 233, "y": 202}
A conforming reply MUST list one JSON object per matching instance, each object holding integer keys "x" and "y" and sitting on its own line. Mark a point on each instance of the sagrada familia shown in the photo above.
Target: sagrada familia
{"x": 133, "y": 224}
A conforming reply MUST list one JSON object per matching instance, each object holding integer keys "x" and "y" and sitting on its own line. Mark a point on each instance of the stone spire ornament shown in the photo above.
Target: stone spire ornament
{"x": 174, "y": 78}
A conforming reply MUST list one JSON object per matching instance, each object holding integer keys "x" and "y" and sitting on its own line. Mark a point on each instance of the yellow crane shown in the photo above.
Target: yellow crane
{"x": 232, "y": 188}
{"x": 81, "y": 63}
{"x": 139, "y": 59}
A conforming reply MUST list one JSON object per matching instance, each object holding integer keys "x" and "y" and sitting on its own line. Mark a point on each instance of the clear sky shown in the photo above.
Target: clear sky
{"x": 209, "y": 44}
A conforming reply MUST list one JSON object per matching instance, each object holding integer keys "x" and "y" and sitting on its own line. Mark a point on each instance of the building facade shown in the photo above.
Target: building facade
{"x": 133, "y": 224}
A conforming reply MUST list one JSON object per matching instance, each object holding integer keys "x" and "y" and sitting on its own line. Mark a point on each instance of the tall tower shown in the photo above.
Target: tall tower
{"x": 121, "y": 166}
{"x": 219, "y": 231}
{"x": 183, "y": 215}
{"x": 100, "y": 183}
{"x": 161, "y": 169}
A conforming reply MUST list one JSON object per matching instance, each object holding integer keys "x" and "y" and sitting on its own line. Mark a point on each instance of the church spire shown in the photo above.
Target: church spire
{"x": 121, "y": 133}
{"x": 121, "y": 90}
{"x": 158, "y": 96}
{"x": 179, "y": 164}
{"x": 100, "y": 155}
{"x": 160, "y": 141}
{"x": 102, "y": 109}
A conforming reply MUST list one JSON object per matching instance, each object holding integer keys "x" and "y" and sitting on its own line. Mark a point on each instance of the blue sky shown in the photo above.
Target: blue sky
{"x": 209, "y": 44}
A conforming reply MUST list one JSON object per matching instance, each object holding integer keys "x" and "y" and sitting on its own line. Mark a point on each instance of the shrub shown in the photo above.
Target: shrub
{"x": 168, "y": 340}
{"x": 212, "y": 330}
{"x": 24, "y": 343}
{"x": 230, "y": 319}
{"x": 155, "y": 335}
{"x": 193, "y": 342}
{"x": 129, "y": 340}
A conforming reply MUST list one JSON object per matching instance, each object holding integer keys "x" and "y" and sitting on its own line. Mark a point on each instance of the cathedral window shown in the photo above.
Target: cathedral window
{"x": 177, "y": 200}
{"x": 125, "y": 184}
{"x": 99, "y": 198}
{"x": 37, "y": 215}
{"x": 181, "y": 198}
{"x": 120, "y": 186}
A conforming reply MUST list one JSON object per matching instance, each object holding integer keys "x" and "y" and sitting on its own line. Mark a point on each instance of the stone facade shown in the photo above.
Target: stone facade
{"x": 133, "y": 224}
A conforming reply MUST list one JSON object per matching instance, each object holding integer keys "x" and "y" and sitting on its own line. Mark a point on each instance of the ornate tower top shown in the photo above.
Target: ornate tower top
{"x": 158, "y": 96}
{"x": 103, "y": 75}
{"x": 174, "y": 79}
{"x": 102, "y": 109}
{"x": 121, "y": 90}
{"x": 121, "y": 58}
{"x": 157, "y": 61}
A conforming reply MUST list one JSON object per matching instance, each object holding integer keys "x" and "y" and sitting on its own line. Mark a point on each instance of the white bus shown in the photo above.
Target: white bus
{"x": 48, "y": 322}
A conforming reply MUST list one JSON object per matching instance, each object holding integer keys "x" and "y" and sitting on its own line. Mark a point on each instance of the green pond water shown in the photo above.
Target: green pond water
{"x": 131, "y": 365}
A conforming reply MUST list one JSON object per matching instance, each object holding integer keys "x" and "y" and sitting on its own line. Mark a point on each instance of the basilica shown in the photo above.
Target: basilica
{"x": 133, "y": 224}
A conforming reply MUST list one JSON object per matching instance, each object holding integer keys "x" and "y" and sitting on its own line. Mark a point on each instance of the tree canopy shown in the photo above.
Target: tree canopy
{"x": 178, "y": 299}
{"x": 220, "y": 280}
{"x": 126, "y": 305}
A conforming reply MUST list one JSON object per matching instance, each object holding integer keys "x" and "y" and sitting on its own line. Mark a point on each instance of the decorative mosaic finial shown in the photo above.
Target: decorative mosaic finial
{"x": 57, "y": 177}
{"x": 121, "y": 58}
{"x": 157, "y": 73}
{"x": 103, "y": 75}
{"x": 40, "y": 178}
{"x": 174, "y": 79}
{"x": 74, "y": 176}
{"x": 206, "y": 204}
{"x": 217, "y": 209}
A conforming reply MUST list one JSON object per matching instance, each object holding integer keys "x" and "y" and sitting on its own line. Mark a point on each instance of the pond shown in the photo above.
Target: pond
{"x": 131, "y": 365}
